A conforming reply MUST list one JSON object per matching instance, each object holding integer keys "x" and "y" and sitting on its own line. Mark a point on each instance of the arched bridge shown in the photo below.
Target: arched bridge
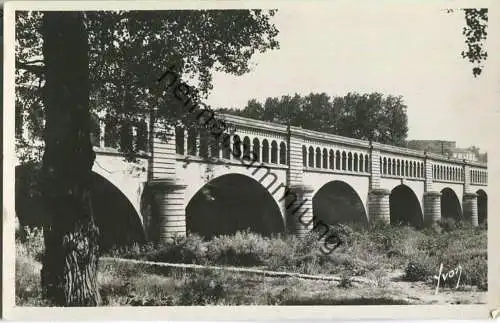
{"x": 272, "y": 178}
{"x": 275, "y": 179}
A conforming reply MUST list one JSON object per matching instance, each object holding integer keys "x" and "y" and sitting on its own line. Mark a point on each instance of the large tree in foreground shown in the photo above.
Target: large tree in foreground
{"x": 69, "y": 274}
{"x": 111, "y": 61}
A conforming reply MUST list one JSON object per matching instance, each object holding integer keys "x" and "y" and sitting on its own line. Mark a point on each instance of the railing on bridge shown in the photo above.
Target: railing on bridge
{"x": 331, "y": 153}
{"x": 479, "y": 176}
{"x": 266, "y": 143}
{"x": 320, "y": 151}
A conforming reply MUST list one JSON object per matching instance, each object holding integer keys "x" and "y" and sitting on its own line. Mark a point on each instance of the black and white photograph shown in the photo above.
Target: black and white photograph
{"x": 320, "y": 155}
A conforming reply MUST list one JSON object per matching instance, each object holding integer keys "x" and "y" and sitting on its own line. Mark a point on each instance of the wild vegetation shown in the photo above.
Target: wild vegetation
{"x": 383, "y": 255}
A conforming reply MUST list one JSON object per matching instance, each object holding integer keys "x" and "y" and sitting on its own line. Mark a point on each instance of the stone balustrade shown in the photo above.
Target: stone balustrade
{"x": 319, "y": 152}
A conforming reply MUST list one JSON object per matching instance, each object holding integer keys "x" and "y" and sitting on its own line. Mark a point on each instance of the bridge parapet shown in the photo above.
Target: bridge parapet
{"x": 322, "y": 151}
{"x": 268, "y": 142}
{"x": 478, "y": 175}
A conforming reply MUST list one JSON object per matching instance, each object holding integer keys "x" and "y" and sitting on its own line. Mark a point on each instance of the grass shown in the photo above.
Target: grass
{"x": 368, "y": 253}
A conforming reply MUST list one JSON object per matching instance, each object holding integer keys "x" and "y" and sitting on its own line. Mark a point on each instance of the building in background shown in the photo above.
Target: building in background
{"x": 466, "y": 153}
{"x": 448, "y": 148}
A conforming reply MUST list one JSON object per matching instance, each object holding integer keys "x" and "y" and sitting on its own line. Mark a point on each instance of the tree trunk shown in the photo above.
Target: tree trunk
{"x": 69, "y": 273}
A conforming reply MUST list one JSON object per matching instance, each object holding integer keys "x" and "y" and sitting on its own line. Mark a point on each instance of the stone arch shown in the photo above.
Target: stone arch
{"x": 256, "y": 149}
{"x": 384, "y": 166}
{"x": 355, "y": 162}
{"x": 349, "y": 161}
{"x": 283, "y": 153}
{"x": 318, "y": 157}
{"x": 192, "y": 145}
{"x": 337, "y": 160}
{"x": 231, "y": 203}
{"x": 246, "y": 147}
{"x": 112, "y": 207}
{"x": 482, "y": 206}
{"x": 405, "y": 207}
{"x": 204, "y": 143}
{"x": 338, "y": 202}
{"x": 236, "y": 146}
{"x": 215, "y": 146}
{"x": 389, "y": 166}
{"x": 361, "y": 163}
{"x": 311, "y": 157}
{"x": 450, "y": 205}
{"x": 344, "y": 160}
{"x": 265, "y": 151}
{"x": 331, "y": 159}
{"x": 226, "y": 146}
{"x": 179, "y": 140}
{"x": 274, "y": 152}
{"x": 393, "y": 166}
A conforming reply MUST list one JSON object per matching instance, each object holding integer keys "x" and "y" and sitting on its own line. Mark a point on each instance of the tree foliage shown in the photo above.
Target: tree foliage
{"x": 130, "y": 50}
{"x": 363, "y": 116}
{"x": 475, "y": 33}
{"x": 108, "y": 63}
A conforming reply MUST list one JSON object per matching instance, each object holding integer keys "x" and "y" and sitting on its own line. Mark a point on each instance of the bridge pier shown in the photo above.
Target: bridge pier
{"x": 378, "y": 205}
{"x": 470, "y": 208}
{"x": 299, "y": 213}
{"x": 432, "y": 208}
{"x": 169, "y": 197}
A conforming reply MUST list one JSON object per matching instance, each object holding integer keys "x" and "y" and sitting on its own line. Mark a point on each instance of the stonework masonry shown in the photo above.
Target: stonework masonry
{"x": 330, "y": 155}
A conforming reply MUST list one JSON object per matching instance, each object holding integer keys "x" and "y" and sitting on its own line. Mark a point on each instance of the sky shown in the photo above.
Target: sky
{"x": 407, "y": 50}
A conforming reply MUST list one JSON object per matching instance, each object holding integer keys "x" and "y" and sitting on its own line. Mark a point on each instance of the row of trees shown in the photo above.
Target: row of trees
{"x": 370, "y": 116}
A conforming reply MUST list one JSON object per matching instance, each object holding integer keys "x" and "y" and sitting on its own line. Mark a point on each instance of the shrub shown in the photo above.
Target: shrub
{"x": 339, "y": 235}
{"x": 420, "y": 269}
{"x": 28, "y": 287}
{"x": 190, "y": 249}
{"x": 448, "y": 224}
{"x": 203, "y": 289}
{"x": 345, "y": 282}
{"x": 242, "y": 249}
{"x": 475, "y": 272}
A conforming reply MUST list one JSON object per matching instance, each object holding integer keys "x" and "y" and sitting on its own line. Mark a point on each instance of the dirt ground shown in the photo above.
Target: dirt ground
{"x": 393, "y": 290}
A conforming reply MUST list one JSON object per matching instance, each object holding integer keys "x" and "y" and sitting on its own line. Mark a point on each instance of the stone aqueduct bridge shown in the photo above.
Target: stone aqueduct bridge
{"x": 294, "y": 164}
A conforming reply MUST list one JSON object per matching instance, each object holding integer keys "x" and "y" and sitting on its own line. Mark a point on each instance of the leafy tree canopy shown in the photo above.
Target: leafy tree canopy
{"x": 363, "y": 116}
{"x": 475, "y": 33}
{"x": 130, "y": 50}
